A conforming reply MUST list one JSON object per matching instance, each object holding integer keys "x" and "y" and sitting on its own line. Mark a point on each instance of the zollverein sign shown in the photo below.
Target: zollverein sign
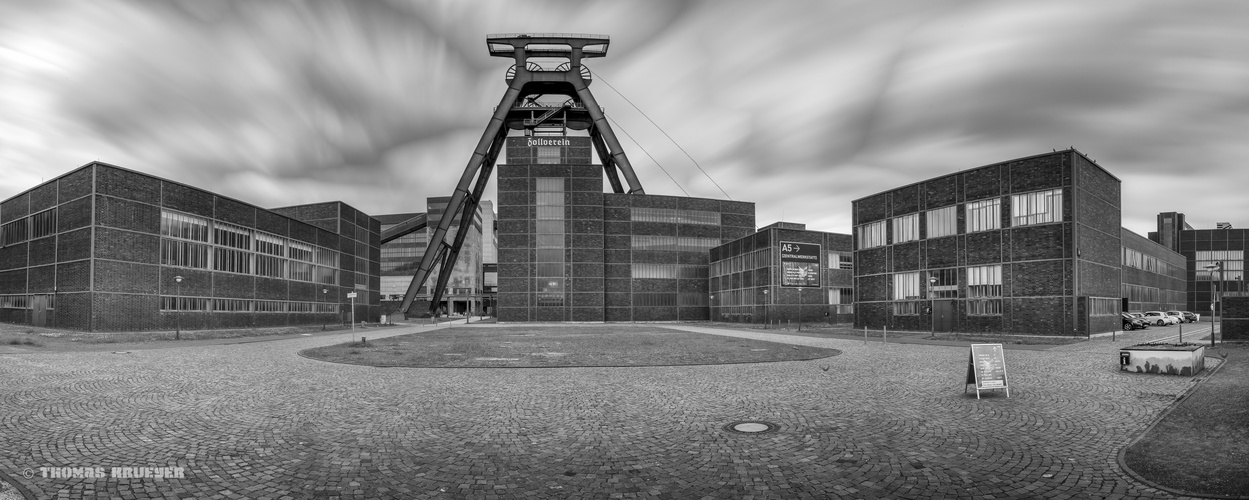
{"x": 986, "y": 367}
{"x": 800, "y": 264}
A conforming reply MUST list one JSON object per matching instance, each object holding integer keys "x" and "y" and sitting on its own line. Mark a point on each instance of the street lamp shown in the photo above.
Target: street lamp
{"x": 177, "y": 303}
{"x": 1211, "y": 267}
{"x": 765, "y": 308}
{"x": 324, "y": 295}
{"x": 932, "y": 318}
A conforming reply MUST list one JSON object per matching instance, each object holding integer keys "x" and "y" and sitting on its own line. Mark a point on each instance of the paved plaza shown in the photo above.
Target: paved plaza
{"x": 256, "y": 420}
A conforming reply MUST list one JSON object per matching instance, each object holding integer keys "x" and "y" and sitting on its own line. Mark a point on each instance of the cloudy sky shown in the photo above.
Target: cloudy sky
{"x": 799, "y": 106}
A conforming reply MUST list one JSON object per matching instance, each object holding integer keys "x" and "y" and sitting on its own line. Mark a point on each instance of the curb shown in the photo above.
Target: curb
{"x": 1161, "y": 416}
{"x": 21, "y": 490}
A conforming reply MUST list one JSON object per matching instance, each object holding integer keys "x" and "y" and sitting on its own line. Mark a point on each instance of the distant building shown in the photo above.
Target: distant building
{"x": 1032, "y": 245}
{"x": 107, "y": 248}
{"x": 783, "y": 273}
{"x": 570, "y": 252}
{"x": 1206, "y": 252}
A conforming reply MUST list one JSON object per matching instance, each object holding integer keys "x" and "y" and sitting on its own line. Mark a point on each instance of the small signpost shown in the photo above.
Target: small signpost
{"x": 986, "y": 367}
{"x": 352, "y": 296}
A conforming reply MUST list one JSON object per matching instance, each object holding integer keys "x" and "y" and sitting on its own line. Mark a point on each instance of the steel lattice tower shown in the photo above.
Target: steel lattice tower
{"x": 525, "y": 106}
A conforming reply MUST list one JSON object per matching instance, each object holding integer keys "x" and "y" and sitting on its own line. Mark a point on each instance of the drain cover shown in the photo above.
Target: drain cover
{"x": 751, "y": 427}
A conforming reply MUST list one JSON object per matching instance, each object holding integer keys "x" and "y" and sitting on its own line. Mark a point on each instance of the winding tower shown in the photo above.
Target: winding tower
{"x": 548, "y": 94}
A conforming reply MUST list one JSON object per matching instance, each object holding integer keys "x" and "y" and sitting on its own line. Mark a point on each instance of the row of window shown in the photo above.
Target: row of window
{"x": 172, "y": 303}
{"x": 26, "y": 301}
{"x": 200, "y": 243}
{"x": 1232, "y": 262}
{"x": 974, "y": 307}
{"x": 674, "y": 215}
{"x": 756, "y": 297}
{"x": 1039, "y": 207}
{"x": 982, "y": 281}
{"x": 669, "y": 271}
{"x": 674, "y": 243}
{"x": 759, "y": 259}
{"x": 1138, "y": 260}
{"x": 31, "y": 227}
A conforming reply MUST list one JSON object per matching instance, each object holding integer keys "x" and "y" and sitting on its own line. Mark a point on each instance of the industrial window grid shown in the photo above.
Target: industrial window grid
{"x": 670, "y": 300}
{"x": 905, "y": 291}
{"x": 946, "y": 286}
{"x": 983, "y": 215}
{"x": 668, "y": 271}
{"x": 1103, "y": 306}
{"x": 674, "y": 243}
{"x": 25, "y": 301}
{"x": 1141, "y": 294}
{"x": 548, "y": 155}
{"x": 840, "y": 260}
{"x": 1233, "y": 262}
{"x": 983, "y": 283}
{"x": 673, "y": 215}
{"x": 906, "y": 228}
{"x": 757, "y": 259}
{"x": 549, "y": 256}
{"x": 1036, "y": 208}
{"x": 208, "y": 304}
{"x": 841, "y": 300}
{"x": 872, "y": 234}
{"x": 1137, "y": 260}
{"x": 942, "y": 221}
{"x": 185, "y": 243}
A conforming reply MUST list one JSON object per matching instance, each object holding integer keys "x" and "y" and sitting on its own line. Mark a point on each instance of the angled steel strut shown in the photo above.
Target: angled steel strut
{"x": 520, "y": 109}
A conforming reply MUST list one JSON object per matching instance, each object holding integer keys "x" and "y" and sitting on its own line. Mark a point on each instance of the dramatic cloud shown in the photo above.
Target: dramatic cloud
{"x": 799, "y": 106}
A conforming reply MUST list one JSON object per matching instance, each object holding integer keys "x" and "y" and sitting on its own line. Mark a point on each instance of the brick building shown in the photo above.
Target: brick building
{"x": 1153, "y": 277}
{"x": 570, "y": 252}
{"x": 783, "y": 273}
{"x": 1206, "y": 252}
{"x": 107, "y": 248}
{"x": 1027, "y": 246}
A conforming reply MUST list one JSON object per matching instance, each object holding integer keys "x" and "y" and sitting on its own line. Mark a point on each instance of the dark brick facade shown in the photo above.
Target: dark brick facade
{"x": 599, "y": 256}
{"x": 1049, "y": 270}
{"x": 101, "y": 268}
{"x": 742, "y": 269}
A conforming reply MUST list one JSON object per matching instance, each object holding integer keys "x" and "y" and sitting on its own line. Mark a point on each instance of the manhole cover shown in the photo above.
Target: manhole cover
{"x": 751, "y": 427}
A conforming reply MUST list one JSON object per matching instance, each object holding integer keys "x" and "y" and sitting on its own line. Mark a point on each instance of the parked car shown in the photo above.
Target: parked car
{"x": 1160, "y": 318}
{"x": 1180, "y": 315}
{"x": 1192, "y": 316}
{"x": 1132, "y": 323}
{"x": 1140, "y": 317}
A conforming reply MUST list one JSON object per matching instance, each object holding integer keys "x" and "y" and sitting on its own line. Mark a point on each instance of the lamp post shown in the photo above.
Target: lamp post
{"x": 325, "y": 293}
{"x": 1215, "y": 296}
{"x": 765, "y": 308}
{"x": 177, "y": 303}
{"x": 932, "y": 317}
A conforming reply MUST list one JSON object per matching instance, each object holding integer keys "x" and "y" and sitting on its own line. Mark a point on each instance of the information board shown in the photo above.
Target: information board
{"x": 986, "y": 368}
{"x": 800, "y": 264}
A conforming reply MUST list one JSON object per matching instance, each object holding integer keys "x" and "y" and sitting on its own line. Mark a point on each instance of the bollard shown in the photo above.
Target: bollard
{"x": 364, "y": 340}
{"x": 886, "y": 334}
{"x": 864, "y": 334}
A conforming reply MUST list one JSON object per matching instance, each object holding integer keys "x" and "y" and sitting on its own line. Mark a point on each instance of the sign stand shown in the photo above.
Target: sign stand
{"x": 986, "y": 368}
{"x": 352, "y": 296}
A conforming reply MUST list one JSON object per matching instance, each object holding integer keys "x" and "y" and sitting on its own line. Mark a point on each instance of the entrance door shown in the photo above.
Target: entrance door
{"x": 38, "y": 310}
{"x": 943, "y": 315}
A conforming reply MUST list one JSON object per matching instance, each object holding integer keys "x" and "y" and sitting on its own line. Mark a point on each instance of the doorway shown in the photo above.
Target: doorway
{"x": 39, "y": 310}
{"x": 943, "y": 315}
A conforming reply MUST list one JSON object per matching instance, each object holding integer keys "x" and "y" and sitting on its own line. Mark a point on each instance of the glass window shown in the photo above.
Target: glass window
{"x": 1232, "y": 262}
{"x": 549, "y": 258}
{"x": 943, "y": 221}
{"x": 13, "y": 232}
{"x": 872, "y": 235}
{"x": 184, "y": 254}
{"x": 906, "y": 286}
{"x": 187, "y": 227}
{"x": 1103, "y": 306}
{"x": 548, "y": 155}
{"x": 704, "y": 217}
{"x": 984, "y": 281}
{"x": 43, "y": 224}
{"x": 984, "y": 215}
{"x": 1036, "y": 208}
{"x": 906, "y": 228}
{"x": 943, "y": 283}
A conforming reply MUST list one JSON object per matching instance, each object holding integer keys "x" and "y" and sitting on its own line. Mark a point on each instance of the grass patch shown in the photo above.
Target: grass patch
{"x": 1202, "y": 445}
{"x": 607, "y": 345}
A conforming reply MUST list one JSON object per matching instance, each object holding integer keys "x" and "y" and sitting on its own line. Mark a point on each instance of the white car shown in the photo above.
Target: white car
{"x": 1160, "y": 318}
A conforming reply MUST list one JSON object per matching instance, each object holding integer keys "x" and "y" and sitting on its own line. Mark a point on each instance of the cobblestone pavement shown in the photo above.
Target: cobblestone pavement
{"x": 878, "y": 421}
